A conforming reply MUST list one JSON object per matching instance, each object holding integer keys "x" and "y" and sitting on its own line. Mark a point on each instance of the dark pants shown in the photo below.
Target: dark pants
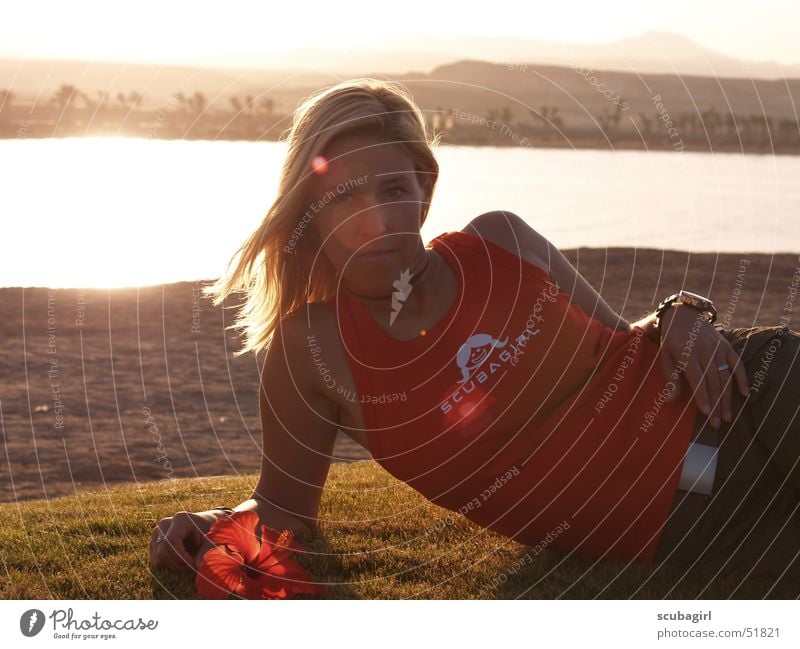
{"x": 750, "y": 524}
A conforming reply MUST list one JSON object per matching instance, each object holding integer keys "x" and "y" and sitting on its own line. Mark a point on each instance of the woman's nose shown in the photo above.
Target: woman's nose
{"x": 374, "y": 221}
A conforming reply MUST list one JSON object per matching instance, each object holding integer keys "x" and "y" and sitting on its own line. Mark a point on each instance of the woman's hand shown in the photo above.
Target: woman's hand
{"x": 184, "y": 541}
{"x": 690, "y": 345}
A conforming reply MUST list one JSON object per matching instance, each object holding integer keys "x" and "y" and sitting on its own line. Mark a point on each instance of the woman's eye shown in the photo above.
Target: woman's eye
{"x": 342, "y": 198}
{"x": 396, "y": 191}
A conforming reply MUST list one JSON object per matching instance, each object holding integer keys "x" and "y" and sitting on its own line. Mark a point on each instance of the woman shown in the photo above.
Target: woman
{"x": 482, "y": 370}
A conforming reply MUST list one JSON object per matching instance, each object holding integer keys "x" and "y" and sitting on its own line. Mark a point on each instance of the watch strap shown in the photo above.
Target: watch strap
{"x": 687, "y": 298}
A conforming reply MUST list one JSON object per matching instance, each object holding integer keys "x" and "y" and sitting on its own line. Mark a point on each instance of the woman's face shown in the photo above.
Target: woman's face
{"x": 366, "y": 197}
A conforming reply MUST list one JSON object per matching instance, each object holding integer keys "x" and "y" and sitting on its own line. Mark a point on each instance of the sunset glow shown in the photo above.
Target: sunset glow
{"x": 252, "y": 34}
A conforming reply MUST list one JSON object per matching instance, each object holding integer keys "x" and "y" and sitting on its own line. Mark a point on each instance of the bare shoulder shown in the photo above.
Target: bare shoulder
{"x": 510, "y": 231}
{"x": 299, "y": 332}
{"x": 313, "y": 349}
{"x": 315, "y": 318}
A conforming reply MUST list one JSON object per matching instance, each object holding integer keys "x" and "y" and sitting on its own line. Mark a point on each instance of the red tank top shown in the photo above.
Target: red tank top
{"x": 521, "y": 412}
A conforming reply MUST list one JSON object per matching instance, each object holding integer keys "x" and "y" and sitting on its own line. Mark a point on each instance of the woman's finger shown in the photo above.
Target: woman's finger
{"x": 739, "y": 370}
{"x": 714, "y": 386}
{"x": 205, "y": 546}
{"x": 718, "y": 380}
{"x": 734, "y": 374}
{"x": 726, "y": 384}
{"x": 172, "y": 552}
{"x": 671, "y": 376}
{"x": 160, "y": 528}
{"x": 694, "y": 375}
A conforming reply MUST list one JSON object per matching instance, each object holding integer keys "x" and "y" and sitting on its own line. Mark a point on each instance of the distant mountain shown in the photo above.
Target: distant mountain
{"x": 667, "y": 53}
{"x": 508, "y": 75}
{"x": 32, "y": 78}
{"x": 556, "y": 105}
{"x": 651, "y": 52}
{"x": 478, "y": 87}
{"x": 405, "y": 57}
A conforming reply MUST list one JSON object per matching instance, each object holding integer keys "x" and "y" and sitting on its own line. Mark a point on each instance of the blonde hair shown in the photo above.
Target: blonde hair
{"x": 279, "y": 278}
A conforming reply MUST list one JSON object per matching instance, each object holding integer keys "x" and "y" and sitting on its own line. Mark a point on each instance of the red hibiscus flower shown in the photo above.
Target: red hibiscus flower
{"x": 251, "y": 566}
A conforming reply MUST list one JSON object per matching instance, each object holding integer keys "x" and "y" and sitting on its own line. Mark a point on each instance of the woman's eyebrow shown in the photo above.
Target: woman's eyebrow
{"x": 385, "y": 180}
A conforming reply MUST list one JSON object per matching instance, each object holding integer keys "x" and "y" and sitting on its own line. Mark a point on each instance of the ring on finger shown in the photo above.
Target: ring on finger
{"x": 723, "y": 367}
{"x": 161, "y": 537}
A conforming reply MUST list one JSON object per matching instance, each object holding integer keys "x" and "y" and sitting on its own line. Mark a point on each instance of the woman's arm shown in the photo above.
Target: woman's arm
{"x": 710, "y": 350}
{"x": 515, "y": 235}
{"x": 299, "y": 425}
{"x": 298, "y": 428}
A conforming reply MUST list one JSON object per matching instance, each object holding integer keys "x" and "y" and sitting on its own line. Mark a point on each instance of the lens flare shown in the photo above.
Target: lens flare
{"x": 319, "y": 165}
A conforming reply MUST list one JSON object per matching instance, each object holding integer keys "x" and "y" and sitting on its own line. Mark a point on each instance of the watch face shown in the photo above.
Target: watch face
{"x": 691, "y": 299}
{"x": 694, "y": 298}
{"x": 699, "y": 302}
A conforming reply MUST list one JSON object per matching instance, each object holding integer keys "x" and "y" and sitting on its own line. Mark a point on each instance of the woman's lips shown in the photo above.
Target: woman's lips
{"x": 381, "y": 256}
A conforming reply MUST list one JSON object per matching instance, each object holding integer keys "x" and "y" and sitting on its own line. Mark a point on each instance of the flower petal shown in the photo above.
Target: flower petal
{"x": 286, "y": 576}
{"x": 220, "y": 573}
{"x": 269, "y": 586}
{"x": 238, "y": 531}
{"x": 271, "y": 550}
{"x": 266, "y": 587}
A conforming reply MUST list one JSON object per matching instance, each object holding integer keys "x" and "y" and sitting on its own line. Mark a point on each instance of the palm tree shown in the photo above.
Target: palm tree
{"x": 5, "y": 98}
{"x": 616, "y": 116}
{"x": 102, "y": 100}
{"x": 769, "y": 125}
{"x": 609, "y": 118}
{"x": 547, "y": 115}
{"x": 87, "y": 103}
{"x": 122, "y": 100}
{"x": 730, "y": 124}
{"x": 65, "y": 96}
{"x": 197, "y": 102}
{"x": 268, "y": 106}
{"x": 788, "y": 128}
{"x": 646, "y": 124}
{"x": 684, "y": 124}
{"x": 712, "y": 119}
{"x": 555, "y": 118}
{"x": 757, "y": 123}
{"x": 136, "y": 99}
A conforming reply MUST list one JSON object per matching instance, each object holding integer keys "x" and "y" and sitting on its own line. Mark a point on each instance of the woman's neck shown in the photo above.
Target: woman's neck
{"x": 420, "y": 284}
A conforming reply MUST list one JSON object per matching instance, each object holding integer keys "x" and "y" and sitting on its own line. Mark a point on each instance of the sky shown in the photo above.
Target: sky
{"x": 235, "y": 33}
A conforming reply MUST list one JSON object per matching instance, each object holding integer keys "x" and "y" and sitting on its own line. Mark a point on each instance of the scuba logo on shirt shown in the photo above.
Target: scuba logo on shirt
{"x": 473, "y": 352}
{"x": 470, "y": 357}
{"x": 478, "y": 348}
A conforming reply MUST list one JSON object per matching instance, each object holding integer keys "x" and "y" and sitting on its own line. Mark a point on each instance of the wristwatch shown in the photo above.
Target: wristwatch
{"x": 690, "y": 299}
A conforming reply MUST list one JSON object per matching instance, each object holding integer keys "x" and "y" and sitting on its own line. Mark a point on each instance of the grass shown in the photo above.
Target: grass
{"x": 380, "y": 540}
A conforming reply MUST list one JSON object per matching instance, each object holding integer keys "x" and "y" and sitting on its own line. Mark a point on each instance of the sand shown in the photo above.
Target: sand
{"x": 128, "y": 385}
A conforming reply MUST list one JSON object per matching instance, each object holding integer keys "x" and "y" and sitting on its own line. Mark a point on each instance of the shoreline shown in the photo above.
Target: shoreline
{"x": 102, "y": 387}
{"x": 573, "y": 254}
{"x": 577, "y": 141}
